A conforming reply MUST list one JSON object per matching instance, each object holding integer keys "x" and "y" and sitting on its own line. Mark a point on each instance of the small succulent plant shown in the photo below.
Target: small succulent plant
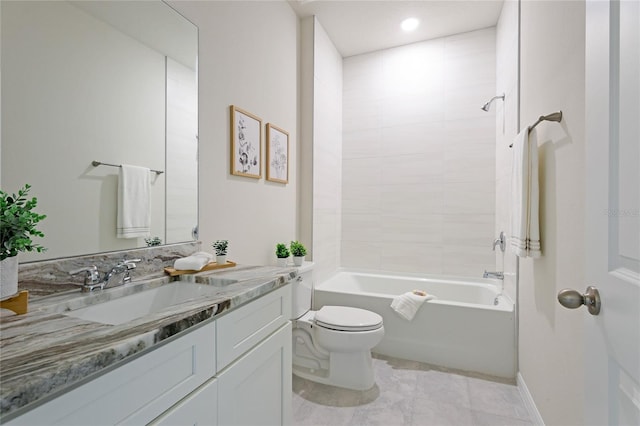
{"x": 153, "y": 241}
{"x": 220, "y": 246}
{"x": 297, "y": 249}
{"x": 282, "y": 252}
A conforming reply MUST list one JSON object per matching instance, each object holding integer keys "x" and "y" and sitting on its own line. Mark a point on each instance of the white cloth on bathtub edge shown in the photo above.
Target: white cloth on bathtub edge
{"x": 195, "y": 262}
{"x": 407, "y": 304}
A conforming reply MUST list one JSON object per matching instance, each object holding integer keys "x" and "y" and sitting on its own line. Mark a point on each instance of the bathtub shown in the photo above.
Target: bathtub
{"x": 460, "y": 329}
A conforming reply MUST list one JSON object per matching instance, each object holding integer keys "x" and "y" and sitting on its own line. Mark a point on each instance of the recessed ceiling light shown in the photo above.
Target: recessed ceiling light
{"x": 409, "y": 24}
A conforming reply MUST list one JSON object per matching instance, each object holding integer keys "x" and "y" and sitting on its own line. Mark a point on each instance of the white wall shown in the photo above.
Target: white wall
{"x": 181, "y": 152}
{"x": 550, "y": 336}
{"x": 72, "y": 78}
{"x": 419, "y": 157}
{"x": 247, "y": 57}
{"x": 506, "y": 130}
{"x": 327, "y": 154}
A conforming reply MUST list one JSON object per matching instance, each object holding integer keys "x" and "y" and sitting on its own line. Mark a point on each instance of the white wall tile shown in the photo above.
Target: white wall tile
{"x": 469, "y": 197}
{"x": 359, "y": 254}
{"x": 421, "y": 138}
{"x": 327, "y": 154}
{"x": 475, "y": 230}
{"x": 412, "y": 257}
{"x": 420, "y": 198}
{"x": 411, "y": 169}
{"x": 418, "y": 176}
{"x": 364, "y": 143}
{"x": 425, "y": 228}
{"x": 361, "y": 227}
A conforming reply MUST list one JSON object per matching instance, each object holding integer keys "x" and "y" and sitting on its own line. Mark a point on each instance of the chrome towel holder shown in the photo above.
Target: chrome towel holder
{"x": 95, "y": 163}
{"x": 554, "y": 116}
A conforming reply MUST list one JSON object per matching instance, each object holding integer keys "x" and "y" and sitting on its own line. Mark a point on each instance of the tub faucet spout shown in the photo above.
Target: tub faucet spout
{"x": 491, "y": 274}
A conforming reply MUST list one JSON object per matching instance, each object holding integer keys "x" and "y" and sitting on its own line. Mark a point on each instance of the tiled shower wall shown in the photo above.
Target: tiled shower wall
{"x": 506, "y": 131}
{"x": 418, "y": 169}
{"x": 327, "y": 153}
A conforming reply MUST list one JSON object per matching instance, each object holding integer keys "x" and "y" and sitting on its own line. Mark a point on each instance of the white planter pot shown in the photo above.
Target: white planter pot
{"x": 282, "y": 261}
{"x": 297, "y": 260}
{"x": 221, "y": 260}
{"x": 8, "y": 277}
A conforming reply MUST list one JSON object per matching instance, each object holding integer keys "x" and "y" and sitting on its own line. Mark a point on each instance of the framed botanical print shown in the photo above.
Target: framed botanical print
{"x": 277, "y": 154}
{"x": 246, "y": 143}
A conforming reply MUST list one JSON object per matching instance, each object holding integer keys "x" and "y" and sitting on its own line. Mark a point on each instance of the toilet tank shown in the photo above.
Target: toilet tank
{"x": 301, "y": 290}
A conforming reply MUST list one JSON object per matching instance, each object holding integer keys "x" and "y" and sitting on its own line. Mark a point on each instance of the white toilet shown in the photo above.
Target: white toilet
{"x": 332, "y": 345}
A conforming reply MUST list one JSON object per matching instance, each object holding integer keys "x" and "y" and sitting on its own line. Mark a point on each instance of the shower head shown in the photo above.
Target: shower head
{"x": 486, "y": 106}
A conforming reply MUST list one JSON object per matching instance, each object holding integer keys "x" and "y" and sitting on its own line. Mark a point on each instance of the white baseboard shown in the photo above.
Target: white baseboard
{"x": 534, "y": 414}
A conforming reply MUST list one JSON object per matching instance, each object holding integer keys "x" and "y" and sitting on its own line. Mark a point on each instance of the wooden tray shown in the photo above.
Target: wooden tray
{"x": 208, "y": 267}
{"x": 18, "y": 303}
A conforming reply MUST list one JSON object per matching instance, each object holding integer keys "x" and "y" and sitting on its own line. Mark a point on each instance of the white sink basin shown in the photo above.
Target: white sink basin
{"x": 133, "y": 306}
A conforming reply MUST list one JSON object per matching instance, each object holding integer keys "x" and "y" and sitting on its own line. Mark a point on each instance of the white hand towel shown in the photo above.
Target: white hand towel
{"x": 195, "y": 262}
{"x": 525, "y": 224}
{"x": 134, "y": 202}
{"x": 407, "y": 304}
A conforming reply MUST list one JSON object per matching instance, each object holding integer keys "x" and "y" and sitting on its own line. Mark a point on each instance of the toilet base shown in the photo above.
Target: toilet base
{"x": 341, "y": 371}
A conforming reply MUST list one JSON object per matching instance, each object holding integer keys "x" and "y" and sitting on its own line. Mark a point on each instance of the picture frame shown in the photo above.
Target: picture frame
{"x": 277, "y": 154}
{"x": 246, "y": 143}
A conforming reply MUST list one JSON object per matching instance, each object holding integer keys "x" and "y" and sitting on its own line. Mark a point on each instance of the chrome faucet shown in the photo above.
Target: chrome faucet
{"x": 491, "y": 274}
{"x": 123, "y": 267}
{"x": 92, "y": 279}
{"x": 500, "y": 241}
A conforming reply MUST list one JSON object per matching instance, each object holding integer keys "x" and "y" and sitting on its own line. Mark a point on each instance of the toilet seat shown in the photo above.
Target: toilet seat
{"x": 343, "y": 318}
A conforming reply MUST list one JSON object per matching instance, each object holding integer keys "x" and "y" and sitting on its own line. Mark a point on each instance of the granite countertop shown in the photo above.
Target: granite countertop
{"x": 45, "y": 353}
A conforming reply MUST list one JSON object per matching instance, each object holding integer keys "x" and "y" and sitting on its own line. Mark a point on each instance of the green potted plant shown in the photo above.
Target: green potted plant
{"x": 282, "y": 253}
{"x": 220, "y": 246}
{"x": 17, "y": 225}
{"x": 153, "y": 241}
{"x": 298, "y": 251}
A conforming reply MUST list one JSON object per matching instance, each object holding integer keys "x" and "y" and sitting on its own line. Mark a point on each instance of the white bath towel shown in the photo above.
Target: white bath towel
{"x": 407, "y": 304}
{"x": 525, "y": 224}
{"x": 195, "y": 262}
{"x": 134, "y": 202}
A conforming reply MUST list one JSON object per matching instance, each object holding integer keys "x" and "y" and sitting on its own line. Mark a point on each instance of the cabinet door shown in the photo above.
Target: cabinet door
{"x": 138, "y": 391}
{"x": 256, "y": 389}
{"x": 244, "y": 327}
{"x": 198, "y": 409}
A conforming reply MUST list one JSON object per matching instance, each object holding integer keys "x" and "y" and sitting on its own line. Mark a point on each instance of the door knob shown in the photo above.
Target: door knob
{"x": 572, "y": 299}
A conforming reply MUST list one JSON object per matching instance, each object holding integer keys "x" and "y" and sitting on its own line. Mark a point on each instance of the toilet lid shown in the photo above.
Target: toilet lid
{"x": 345, "y": 318}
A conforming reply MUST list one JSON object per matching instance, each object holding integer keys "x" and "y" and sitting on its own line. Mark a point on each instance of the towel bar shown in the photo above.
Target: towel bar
{"x": 95, "y": 163}
{"x": 554, "y": 116}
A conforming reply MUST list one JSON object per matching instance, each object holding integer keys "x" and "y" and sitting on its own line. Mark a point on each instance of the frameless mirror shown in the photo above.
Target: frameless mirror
{"x": 113, "y": 82}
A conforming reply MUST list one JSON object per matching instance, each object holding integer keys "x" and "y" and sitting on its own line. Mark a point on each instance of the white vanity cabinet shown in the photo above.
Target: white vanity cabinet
{"x": 198, "y": 408}
{"x": 137, "y": 391}
{"x": 253, "y": 374}
{"x": 235, "y": 370}
{"x": 254, "y": 362}
{"x": 256, "y": 389}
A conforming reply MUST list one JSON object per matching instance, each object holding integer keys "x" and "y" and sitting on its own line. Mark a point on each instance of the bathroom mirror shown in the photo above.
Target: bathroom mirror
{"x": 113, "y": 82}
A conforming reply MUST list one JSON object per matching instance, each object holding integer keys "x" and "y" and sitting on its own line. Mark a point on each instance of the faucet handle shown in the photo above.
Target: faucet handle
{"x": 131, "y": 263}
{"x": 500, "y": 241}
{"x": 92, "y": 276}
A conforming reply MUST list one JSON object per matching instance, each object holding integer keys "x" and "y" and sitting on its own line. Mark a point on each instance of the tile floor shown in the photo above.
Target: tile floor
{"x": 411, "y": 393}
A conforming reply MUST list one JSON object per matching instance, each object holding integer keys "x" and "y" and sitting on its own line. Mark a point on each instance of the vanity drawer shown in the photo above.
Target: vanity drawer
{"x": 244, "y": 327}
{"x": 138, "y": 391}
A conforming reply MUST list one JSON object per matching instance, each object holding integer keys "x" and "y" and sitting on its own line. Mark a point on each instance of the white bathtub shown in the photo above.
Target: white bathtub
{"x": 461, "y": 329}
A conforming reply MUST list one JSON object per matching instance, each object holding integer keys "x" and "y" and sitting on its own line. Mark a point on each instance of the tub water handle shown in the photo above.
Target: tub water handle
{"x": 501, "y": 242}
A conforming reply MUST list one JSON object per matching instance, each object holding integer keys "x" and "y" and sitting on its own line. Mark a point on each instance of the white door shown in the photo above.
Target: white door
{"x": 612, "y": 338}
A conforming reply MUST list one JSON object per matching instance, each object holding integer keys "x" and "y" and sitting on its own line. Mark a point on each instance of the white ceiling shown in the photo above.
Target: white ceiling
{"x": 360, "y": 26}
